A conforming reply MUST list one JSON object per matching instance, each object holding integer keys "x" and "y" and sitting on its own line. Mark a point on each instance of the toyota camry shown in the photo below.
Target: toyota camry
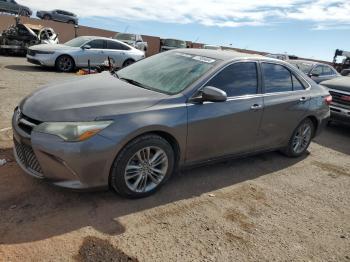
{"x": 130, "y": 130}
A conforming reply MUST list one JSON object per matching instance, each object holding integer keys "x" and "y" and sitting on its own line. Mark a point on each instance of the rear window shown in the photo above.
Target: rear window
{"x": 116, "y": 46}
{"x": 277, "y": 78}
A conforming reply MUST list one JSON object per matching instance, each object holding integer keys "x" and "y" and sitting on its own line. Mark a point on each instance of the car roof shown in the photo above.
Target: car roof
{"x": 225, "y": 55}
{"x": 300, "y": 61}
{"x": 90, "y": 37}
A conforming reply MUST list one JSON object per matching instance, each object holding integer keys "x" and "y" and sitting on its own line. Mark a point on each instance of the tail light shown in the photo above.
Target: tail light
{"x": 328, "y": 100}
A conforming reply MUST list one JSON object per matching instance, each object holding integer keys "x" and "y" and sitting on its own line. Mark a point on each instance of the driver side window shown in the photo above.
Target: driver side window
{"x": 237, "y": 79}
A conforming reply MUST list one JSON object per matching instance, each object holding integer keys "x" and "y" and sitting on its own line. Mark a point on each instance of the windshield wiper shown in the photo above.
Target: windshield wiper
{"x": 133, "y": 82}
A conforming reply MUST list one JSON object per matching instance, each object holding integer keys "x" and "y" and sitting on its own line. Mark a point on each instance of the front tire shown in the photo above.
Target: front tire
{"x": 65, "y": 64}
{"x": 300, "y": 139}
{"x": 47, "y": 17}
{"x": 142, "y": 167}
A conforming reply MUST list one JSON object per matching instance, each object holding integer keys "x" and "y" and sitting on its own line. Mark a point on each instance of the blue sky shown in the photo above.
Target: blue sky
{"x": 312, "y": 29}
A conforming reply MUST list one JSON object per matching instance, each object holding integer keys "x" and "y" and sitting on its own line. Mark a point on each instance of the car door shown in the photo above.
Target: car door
{"x": 117, "y": 51}
{"x": 96, "y": 53}
{"x": 286, "y": 100}
{"x": 216, "y": 129}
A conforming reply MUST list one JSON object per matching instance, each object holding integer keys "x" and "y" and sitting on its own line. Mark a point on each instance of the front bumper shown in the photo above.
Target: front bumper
{"x": 43, "y": 60}
{"x": 340, "y": 113}
{"x": 77, "y": 166}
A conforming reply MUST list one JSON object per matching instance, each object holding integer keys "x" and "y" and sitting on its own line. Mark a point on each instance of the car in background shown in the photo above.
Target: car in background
{"x": 58, "y": 15}
{"x": 283, "y": 57}
{"x": 12, "y": 7}
{"x": 130, "y": 130}
{"x": 212, "y": 47}
{"x": 339, "y": 88}
{"x": 82, "y": 52}
{"x": 316, "y": 71}
{"x": 133, "y": 40}
{"x": 169, "y": 44}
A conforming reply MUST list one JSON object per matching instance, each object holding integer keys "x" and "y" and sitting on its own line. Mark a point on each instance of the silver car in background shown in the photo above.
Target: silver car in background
{"x": 316, "y": 71}
{"x": 58, "y": 15}
{"x": 81, "y": 51}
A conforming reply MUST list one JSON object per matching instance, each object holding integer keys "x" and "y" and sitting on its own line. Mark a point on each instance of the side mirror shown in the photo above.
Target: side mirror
{"x": 86, "y": 47}
{"x": 313, "y": 75}
{"x": 213, "y": 94}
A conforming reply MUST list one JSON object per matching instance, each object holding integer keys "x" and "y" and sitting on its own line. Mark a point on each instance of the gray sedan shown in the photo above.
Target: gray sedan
{"x": 131, "y": 129}
{"x": 316, "y": 71}
{"x": 12, "y": 7}
{"x": 79, "y": 51}
{"x": 58, "y": 15}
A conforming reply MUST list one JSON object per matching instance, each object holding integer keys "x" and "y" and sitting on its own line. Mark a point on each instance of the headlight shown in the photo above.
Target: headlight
{"x": 73, "y": 131}
{"x": 45, "y": 52}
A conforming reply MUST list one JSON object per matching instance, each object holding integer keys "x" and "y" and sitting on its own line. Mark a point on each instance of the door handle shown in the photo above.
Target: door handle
{"x": 303, "y": 99}
{"x": 256, "y": 107}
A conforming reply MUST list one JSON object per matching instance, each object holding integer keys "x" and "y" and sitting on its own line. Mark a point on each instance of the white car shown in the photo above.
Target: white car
{"x": 81, "y": 51}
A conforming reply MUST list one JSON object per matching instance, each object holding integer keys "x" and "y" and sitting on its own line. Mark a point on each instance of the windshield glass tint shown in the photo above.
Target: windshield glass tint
{"x": 129, "y": 37}
{"x": 174, "y": 43}
{"x": 77, "y": 42}
{"x": 168, "y": 72}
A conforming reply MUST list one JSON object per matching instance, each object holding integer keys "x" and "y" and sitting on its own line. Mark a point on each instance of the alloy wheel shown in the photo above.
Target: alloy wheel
{"x": 302, "y": 138}
{"x": 65, "y": 64}
{"x": 146, "y": 169}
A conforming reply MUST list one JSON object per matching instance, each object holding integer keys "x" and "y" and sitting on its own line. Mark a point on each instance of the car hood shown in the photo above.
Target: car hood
{"x": 341, "y": 83}
{"x": 51, "y": 47}
{"x": 88, "y": 99}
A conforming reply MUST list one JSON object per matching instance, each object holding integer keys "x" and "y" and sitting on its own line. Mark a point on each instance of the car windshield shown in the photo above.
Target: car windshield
{"x": 305, "y": 67}
{"x": 174, "y": 43}
{"x": 169, "y": 72}
{"x": 77, "y": 42}
{"x": 128, "y": 37}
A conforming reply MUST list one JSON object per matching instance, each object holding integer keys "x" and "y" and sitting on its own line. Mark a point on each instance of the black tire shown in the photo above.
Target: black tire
{"x": 128, "y": 62}
{"x": 71, "y": 22}
{"x": 290, "y": 150}
{"x": 47, "y": 17}
{"x": 118, "y": 173}
{"x": 65, "y": 63}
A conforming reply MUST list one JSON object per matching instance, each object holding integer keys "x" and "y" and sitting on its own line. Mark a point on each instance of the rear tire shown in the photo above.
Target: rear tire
{"x": 47, "y": 17}
{"x": 65, "y": 63}
{"x": 300, "y": 139}
{"x": 142, "y": 167}
{"x": 128, "y": 62}
{"x": 71, "y": 22}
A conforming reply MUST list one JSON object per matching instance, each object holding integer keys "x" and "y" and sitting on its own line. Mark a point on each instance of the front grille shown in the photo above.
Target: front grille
{"x": 27, "y": 156}
{"x": 338, "y": 99}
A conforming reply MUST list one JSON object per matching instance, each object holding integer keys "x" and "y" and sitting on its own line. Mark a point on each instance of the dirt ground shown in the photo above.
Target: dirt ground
{"x": 261, "y": 208}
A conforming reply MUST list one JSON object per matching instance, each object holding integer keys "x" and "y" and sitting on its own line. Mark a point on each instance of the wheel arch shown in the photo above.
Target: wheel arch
{"x": 170, "y": 138}
{"x": 128, "y": 59}
{"x": 315, "y": 122}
